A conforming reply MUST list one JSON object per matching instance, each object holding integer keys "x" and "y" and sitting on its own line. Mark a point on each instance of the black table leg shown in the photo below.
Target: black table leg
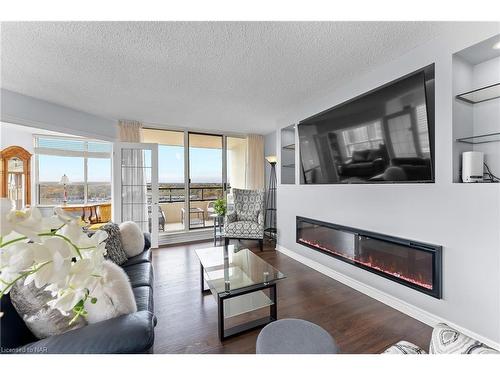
{"x": 273, "y": 309}
{"x": 220, "y": 309}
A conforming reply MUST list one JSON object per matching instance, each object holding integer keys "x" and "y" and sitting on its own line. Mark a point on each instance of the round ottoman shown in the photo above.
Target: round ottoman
{"x": 294, "y": 336}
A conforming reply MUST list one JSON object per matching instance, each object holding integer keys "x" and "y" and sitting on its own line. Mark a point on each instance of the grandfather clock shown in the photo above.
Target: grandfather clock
{"x": 15, "y": 175}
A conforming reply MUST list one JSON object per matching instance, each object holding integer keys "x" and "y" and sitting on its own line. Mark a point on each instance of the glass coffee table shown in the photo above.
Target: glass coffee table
{"x": 239, "y": 280}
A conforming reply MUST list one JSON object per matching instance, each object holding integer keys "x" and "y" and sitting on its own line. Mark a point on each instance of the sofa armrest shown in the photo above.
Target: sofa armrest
{"x": 147, "y": 241}
{"x": 131, "y": 333}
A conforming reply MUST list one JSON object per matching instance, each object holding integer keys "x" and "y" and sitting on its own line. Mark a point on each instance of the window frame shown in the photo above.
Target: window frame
{"x": 85, "y": 154}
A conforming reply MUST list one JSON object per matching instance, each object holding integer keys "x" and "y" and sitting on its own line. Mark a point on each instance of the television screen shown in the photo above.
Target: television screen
{"x": 383, "y": 136}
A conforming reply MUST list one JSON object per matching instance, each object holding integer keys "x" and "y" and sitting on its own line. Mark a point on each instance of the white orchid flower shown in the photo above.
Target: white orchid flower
{"x": 28, "y": 223}
{"x": 18, "y": 257}
{"x": 6, "y": 206}
{"x": 55, "y": 255}
{"x": 67, "y": 300}
{"x": 73, "y": 231}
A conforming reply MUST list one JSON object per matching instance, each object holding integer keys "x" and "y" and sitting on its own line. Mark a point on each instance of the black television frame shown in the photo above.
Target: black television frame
{"x": 429, "y": 89}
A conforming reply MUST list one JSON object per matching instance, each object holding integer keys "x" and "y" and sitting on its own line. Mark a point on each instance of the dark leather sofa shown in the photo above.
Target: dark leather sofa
{"x": 132, "y": 333}
{"x": 365, "y": 163}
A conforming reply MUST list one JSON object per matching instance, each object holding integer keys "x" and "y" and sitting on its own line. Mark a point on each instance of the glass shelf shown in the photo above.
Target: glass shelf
{"x": 481, "y": 95}
{"x": 288, "y": 165}
{"x": 478, "y": 139}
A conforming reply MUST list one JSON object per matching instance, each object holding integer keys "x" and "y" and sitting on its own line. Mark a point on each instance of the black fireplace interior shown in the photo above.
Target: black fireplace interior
{"x": 414, "y": 264}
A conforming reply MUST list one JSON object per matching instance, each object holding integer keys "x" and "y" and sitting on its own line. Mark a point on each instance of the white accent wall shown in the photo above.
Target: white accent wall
{"x": 463, "y": 218}
{"x": 25, "y": 110}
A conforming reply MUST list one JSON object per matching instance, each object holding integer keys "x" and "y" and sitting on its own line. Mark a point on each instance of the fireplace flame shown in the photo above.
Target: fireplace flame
{"x": 417, "y": 280}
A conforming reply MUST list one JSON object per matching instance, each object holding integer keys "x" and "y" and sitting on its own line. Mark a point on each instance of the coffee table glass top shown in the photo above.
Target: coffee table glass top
{"x": 228, "y": 269}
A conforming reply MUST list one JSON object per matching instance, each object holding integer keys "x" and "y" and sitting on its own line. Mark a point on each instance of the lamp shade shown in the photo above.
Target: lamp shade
{"x": 272, "y": 159}
{"x": 64, "y": 180}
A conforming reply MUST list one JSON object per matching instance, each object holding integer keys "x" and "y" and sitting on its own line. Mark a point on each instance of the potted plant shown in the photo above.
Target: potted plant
{"x": 220, "y": 207}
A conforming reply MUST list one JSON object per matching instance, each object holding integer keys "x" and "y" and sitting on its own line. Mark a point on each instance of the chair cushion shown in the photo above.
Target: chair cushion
{"x": 248, "y": 204}
{"x": 294, "y": 336}
{"x": 140, "y": 274}
{"x": 244, "y": 229}
{"x": 404, "y": 347}
{"x": 143, "y": 257}
{"x": 446, "y": 340}
{"x": 144, "y": 298}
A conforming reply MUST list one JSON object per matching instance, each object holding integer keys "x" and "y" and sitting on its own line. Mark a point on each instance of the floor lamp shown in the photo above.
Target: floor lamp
{"x": 270, "y": 217}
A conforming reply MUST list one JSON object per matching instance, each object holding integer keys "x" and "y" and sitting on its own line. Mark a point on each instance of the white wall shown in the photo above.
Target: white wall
{"x": 463, "y": 218}
{"x": 487, "y": 114}
{"x": 14, "y": 135}
{"x": 25, "y": 110}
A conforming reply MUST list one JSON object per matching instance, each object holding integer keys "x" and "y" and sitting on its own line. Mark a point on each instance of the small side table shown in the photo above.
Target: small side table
{"x": 218, "y": 227}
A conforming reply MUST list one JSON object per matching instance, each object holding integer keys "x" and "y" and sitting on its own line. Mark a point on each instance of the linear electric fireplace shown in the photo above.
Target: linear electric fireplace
{"x": 414, "y": 264}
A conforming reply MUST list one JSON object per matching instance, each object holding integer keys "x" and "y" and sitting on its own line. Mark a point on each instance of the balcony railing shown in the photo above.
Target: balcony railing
{"x": 196, "y": 194}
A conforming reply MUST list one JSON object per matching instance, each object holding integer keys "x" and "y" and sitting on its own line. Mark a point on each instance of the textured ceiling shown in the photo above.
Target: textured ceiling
{"x": 228, "y": 76}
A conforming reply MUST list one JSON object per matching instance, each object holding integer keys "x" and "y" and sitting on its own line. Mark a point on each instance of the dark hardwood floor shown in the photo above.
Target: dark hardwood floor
{"x": 187, "y": 320}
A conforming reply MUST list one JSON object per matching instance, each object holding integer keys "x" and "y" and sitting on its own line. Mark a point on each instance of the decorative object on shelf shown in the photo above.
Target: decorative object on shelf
{"x": 481, "y": 95}
{"x": 270, "y": 219}
{"x": 472, "y": 166}
{"x": 15, "y": 171}
{"x": 65, "y": 261}
{"x": 220, "y": 207}
{"x": 64, "y": 181}
{"x": 479, "y": 139}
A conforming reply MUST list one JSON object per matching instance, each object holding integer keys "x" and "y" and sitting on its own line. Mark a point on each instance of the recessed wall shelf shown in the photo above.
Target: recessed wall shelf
{"x": 288, "y": 155}
{"x": 481, "y": 95}
{"x": 478, "y": 139}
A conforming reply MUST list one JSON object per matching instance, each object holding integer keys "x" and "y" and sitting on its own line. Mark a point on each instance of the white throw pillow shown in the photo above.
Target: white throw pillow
{"x": 132, "y": 238}
{"x": 114, "y": 297}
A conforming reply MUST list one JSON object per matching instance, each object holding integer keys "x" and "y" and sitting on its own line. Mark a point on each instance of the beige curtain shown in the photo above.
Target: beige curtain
{"x": 255, "y": 162}
{"x": 130, "y": 131}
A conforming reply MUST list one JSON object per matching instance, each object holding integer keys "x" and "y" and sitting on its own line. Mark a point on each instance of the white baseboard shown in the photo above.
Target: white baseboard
{"x": 396, "y": 303}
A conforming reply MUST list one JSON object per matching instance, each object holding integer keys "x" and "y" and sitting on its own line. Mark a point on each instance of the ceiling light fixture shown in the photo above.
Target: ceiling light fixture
{"x": 496, "y": 45}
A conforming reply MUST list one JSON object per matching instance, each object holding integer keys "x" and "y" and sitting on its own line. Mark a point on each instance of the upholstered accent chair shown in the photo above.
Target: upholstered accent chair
{"x": 246, "y": 222}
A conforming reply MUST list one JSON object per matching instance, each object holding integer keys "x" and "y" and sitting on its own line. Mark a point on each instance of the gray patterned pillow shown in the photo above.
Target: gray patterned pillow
{"x": 43, "y": 321}
{"x": 114, "y": 247}
{"x": 404, "y": 347}
{"x": 446, "y": 340}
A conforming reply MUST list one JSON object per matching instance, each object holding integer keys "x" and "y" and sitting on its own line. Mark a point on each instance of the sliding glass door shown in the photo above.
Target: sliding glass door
{"x": 195, "y": 169}
{"x": 205, "y": 178}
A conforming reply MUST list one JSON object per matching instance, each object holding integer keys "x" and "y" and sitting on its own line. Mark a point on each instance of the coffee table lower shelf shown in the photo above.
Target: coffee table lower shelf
{"x": 222, "y": 300}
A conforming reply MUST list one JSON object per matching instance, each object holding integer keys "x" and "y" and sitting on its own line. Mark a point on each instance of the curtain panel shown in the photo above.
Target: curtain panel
{"x": 255, "y": 162}
{"x": 133, "y": 171}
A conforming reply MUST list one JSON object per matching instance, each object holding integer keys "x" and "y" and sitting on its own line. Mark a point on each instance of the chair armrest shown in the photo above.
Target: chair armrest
{"x": 231, "y": 217}
{"x": 260, "y": 218}
{"x": 131, "y": 333}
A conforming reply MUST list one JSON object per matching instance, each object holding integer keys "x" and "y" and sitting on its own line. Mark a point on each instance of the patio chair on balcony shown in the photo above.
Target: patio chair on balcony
{"x": 162, "y": 220}
{"x": 246, "y": 222}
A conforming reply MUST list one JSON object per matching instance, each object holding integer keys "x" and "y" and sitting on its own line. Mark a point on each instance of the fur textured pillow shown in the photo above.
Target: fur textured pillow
{"x": 114, "y": 298}
{"x": 132, "y": 238}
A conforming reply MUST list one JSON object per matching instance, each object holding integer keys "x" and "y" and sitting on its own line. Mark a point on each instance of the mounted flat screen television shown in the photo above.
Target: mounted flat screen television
{"x": 383, "y": 136}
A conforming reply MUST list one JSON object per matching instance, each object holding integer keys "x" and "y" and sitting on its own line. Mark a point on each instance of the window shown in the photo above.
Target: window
{"x": 86, "y": 163}
{"x": 363, "y": 137}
